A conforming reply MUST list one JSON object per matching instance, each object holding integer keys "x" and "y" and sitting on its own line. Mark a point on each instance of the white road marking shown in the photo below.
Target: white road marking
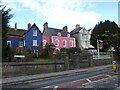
{"x": 46, "y": 87}
{"x": 88, "y": 80}
{"x": 55, "y": 87}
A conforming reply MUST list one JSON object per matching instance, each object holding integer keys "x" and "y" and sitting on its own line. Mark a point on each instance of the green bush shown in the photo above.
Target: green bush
{"x": 43, "y": 53}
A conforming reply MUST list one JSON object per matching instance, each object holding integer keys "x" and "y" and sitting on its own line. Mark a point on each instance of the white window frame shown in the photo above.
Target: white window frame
{"x": 56, "y": 44}
{"x": 44, "y": 42}
{"x": 65, "y": 43}
{"x": 20, "y": 43}
{"x": 34, "y": 32}
{"x": 68, "y": 35}
{"x": 24, "y": 42}
{"x": 35, "y": 43}
{"x": 71, "y": 43}
{"x": 9, "y": 42}
{"x": 59, "y": 34}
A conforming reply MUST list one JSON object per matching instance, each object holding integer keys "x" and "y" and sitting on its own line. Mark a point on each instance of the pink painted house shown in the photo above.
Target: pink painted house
{"x": 59, "y": 37}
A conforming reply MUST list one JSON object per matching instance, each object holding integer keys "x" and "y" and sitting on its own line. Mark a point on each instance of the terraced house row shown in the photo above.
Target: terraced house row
{"x": 34, "y": 39}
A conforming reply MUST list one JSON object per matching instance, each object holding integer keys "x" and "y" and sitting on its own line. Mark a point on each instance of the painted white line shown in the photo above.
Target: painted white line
{"x": 46, "y": 87}
{"x": 55, "y": 87}
{"x": 77, "y": 80}
{"x": 89, "y": 80}
{"x": 109, "y": 75}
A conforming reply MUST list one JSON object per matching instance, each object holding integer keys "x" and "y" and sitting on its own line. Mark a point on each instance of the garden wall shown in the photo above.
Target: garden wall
{"x": 13, "y": 69}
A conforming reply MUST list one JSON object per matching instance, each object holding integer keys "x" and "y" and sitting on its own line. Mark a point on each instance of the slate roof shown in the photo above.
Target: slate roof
{"x": 18, "y": 32}
{"x": 54, "y": 31}
{"x": 75, "y": 31}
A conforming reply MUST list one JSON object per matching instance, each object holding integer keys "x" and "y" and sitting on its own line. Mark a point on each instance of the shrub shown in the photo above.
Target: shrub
{"x": 43, "y": 53}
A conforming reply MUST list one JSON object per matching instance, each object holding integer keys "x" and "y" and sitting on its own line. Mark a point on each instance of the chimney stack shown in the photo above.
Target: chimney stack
{"x": 77, "y": 26}
{"x": 65, "y": 28}
{"x": 45, "y": 25}
{"x": 29, "y": 26}
{"x": 15, "y": 26}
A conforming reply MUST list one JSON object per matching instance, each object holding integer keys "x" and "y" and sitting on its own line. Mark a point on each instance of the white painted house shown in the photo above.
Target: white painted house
{"x": 82, "y": 37}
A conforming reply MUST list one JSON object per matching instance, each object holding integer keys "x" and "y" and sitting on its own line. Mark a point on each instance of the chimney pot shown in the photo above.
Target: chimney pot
{"x": 15, "y": 26}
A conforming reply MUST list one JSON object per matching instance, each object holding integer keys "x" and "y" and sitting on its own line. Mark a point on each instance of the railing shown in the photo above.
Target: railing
{"x": 102, "y": 55}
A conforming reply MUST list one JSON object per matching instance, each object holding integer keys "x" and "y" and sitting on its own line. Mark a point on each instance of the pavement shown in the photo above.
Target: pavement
{"x": 48, "y": 75}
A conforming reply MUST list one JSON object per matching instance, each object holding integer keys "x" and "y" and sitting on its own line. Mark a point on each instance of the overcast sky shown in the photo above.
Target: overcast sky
{"x": 60, "y": 13}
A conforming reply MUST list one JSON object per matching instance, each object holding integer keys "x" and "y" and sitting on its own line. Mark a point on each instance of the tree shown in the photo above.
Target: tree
{"x": 50, "y": 48}
{"x": 6, "y": 16}
{"x": 106, "y": 31}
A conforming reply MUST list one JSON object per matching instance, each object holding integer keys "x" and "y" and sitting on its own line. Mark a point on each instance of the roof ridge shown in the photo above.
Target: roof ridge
{"x": 54, "y": 28}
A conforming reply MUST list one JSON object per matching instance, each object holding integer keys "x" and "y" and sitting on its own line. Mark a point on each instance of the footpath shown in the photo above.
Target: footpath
{"x": 48, "y": 75}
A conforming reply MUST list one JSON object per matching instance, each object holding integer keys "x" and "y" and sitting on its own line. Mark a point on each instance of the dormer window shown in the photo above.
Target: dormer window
{"x": 59, "y": 34}
{"x": 68, "y": 35}
{"x": 34, "y": 32}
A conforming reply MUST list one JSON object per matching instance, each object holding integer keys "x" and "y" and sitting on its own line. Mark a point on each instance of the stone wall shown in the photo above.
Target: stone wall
{"x": 28, "y": 68}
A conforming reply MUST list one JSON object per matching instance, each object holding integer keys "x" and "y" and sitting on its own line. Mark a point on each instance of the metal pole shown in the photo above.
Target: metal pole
{"x": 98, "y": 48}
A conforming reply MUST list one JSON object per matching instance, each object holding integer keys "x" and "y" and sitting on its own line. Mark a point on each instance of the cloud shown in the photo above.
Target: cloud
{"x": 64, "y": 12}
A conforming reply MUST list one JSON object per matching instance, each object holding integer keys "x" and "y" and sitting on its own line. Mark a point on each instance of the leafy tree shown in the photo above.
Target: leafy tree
{"x": 6, "y": 16}
{"x": 50, "y": 48}
{"x": 106, "y": 31}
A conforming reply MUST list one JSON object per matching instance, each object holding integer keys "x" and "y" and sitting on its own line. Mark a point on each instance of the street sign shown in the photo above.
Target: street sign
{"x": 100, "y": 44}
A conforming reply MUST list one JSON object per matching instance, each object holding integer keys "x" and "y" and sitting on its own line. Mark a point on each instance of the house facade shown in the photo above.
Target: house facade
{"x": 82, "y": 37}
{"x": 59, "y": 37}
{"x": 25, "y": 39}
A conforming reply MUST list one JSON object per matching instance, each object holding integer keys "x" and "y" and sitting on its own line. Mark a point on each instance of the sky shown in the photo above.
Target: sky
{"x": 60, "y": 13}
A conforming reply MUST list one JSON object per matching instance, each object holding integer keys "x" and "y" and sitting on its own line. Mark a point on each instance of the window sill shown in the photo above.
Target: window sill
{"x": 35, "y": 45}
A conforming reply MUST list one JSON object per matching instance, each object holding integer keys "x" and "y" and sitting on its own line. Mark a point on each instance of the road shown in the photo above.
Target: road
{"x": 63, "y": 81}
{"x": 107, "y": 84}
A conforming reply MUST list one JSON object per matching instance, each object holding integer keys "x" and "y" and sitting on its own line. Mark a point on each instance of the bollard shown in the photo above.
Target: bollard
{"x": 114, "y": 66}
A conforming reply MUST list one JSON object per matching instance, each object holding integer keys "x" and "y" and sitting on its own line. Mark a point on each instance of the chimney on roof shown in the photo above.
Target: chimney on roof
{"x": 65, "y": 28}
{"x": 45, "y": 25}
{"x": 77, "y": 26}
{"x": 15, "y": 26}
{"x": 29, "y": 26}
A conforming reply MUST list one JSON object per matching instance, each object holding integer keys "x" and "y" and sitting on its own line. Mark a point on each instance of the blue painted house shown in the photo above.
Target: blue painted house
{"x": 25, "y": 39}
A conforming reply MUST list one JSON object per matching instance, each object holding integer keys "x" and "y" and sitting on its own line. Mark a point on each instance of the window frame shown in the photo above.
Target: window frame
{"x": 34, "y": 32}
{"x": 21, "y": 43}
{"x": 44, "y": 42}
{"x": 71, "y": 43}
{"x": 56, "y": 44}
{"x": 59, "y": 34}
{"x": 64, "y": 44}
{"x": 9, "y": 43}
{"x": 35, "y": 42}
{"x": 68, "y": 35}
